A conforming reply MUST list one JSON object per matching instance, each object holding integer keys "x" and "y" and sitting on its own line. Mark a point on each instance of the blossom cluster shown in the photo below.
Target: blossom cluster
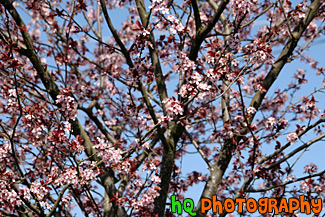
{"x": 242, "y": 8}
{"x": 9, "y": 198}
{"x": 159, "y": 6}
{"x": 145, "y": 202}
{"x": 173, "y": 107}
{"x": 260, "y": 51}
{"x": 110, "y": 154}
{"x": 68, "y": 104}
{"x": 271, "y": 123}
{"x": 185, "y": 64}
{"x": 77, "y": 177}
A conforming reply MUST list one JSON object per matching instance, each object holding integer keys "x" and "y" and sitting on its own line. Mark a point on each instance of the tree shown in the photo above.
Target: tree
{"x": 97, "y": 112}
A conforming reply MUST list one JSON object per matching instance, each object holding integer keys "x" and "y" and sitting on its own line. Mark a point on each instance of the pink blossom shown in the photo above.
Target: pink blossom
{"x": 159, "y": 6}
{"x": 139, "y": 122}
{"x": 173, "y": 107}
{"x": 187, "y": 89}
{"x": 310, "y": 168}
{"x": 12, "y": 197}
{"x": 70, "y": 176}
{"x": 67, "y": 126}
{"x": 270, "y": 122}
{"x": 311, "y": 31}
{"x": 12, "y": 93}
{"x": 109, "y": 154}
{"x": 234, "y": 43}
{"x": 290, "y": 178}
{"x": 68, "y": 104}
{"x": 155, "y": 179}
{"x": 164, "y": 120}
{"x": 292, "y": 137}
{"x": 251, "y": 110}
{"x": 185, "y": 63}
{"x": 306, "y": 185}
{"x": 39, "y": 190}
{"x": 242, "y": 8}
{"x": 124, "y": 167}
{"x": 196, "y": 78}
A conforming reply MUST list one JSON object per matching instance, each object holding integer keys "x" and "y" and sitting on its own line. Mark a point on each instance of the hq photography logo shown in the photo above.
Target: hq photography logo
{"x": 262, "y": 205}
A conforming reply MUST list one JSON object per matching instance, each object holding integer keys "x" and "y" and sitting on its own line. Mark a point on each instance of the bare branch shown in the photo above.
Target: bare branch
{"x": 287, "y": 182}
{"x": 306, "y": 145}
{"x": 196, "y": 15}
{"x": 198, "y": 148}
{"x": 58, "y": 201}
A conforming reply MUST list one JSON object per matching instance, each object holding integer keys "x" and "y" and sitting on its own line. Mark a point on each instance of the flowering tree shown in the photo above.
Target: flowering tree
{"x": 97, "y": 111}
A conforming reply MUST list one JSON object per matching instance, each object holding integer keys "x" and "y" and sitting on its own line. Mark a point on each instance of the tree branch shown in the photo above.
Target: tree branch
{"x": 287, "y": 182}
{"x": 306, "y": 145}
{"x": 58, "y": 200}
{"x": 280, "y": 150}
{"x": 203, "y": 31}
{"x": 227, "y": 149}
{"x": 285, "y": 54}
{"x": 198, "y": 149}
{"x": 196, "y": 15}
{"x": 108, "y": 178}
